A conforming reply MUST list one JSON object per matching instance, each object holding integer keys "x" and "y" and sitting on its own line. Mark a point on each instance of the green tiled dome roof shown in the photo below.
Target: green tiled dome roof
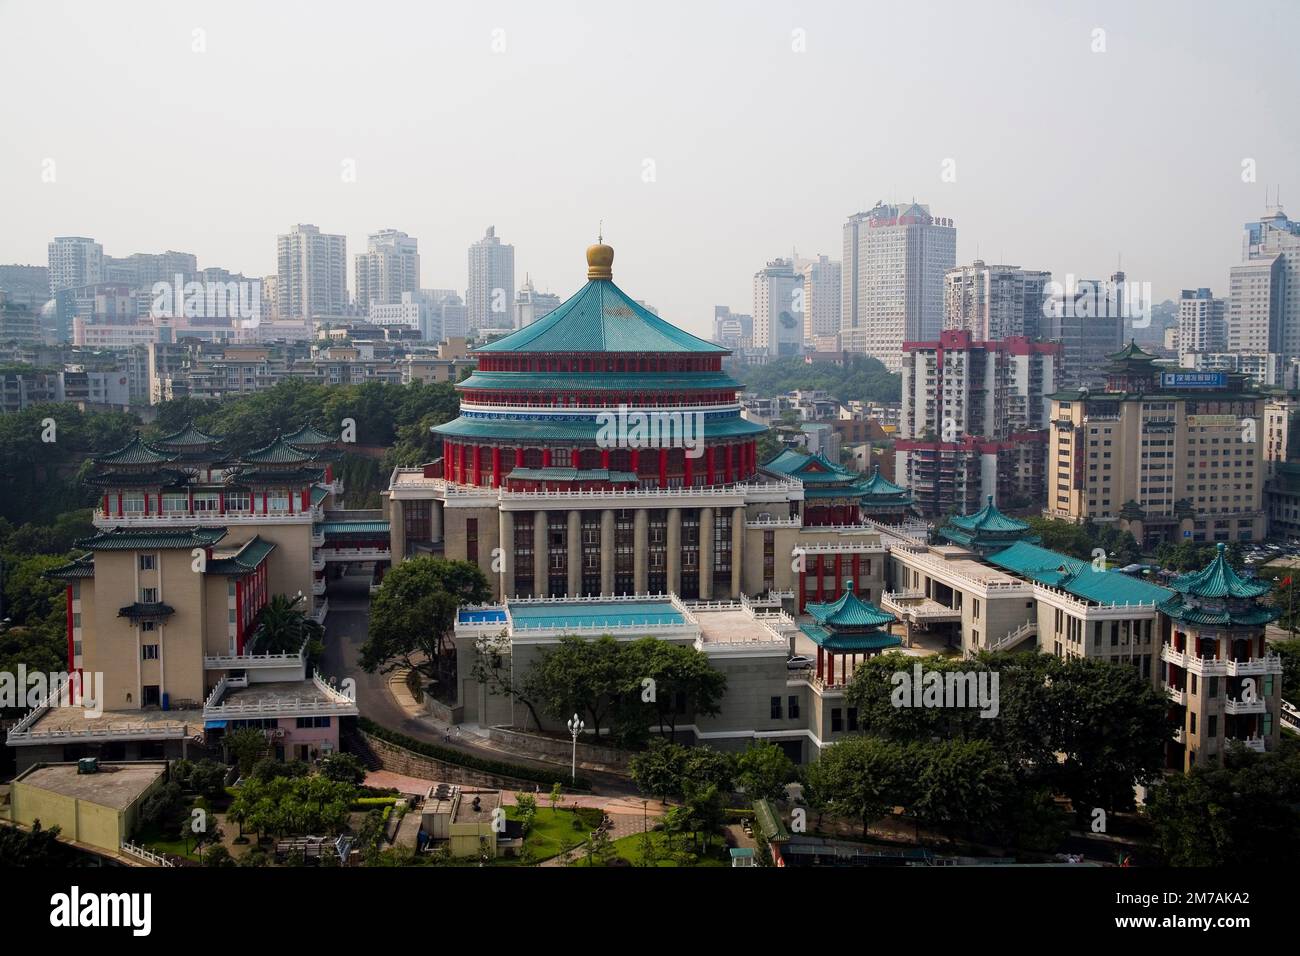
{"x": 601, "y": 317}
{"x": 1218, "y": 579}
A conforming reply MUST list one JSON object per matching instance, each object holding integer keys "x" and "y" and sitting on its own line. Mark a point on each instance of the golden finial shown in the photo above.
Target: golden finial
{"x": 600, "y": 257}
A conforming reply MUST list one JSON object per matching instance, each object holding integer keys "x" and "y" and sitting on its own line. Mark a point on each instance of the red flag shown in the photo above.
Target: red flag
{"x": 1286, "y": 581}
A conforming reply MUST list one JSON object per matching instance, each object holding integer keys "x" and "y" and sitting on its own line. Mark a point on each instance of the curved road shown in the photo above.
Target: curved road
{"x": 345, "y": 632}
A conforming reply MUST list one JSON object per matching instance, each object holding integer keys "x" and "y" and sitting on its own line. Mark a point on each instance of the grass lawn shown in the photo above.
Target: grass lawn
{"x": 552, "y": 827}
{"x": 153, "y": 838}
{"x": 630, "y": 850}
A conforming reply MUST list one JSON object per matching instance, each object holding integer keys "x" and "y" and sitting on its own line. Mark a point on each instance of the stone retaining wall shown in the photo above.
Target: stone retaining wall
{"x": 610, "y": 758}
{"x": 408, "y": 762}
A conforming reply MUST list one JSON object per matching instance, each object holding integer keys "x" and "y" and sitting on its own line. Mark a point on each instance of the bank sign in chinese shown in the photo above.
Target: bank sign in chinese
{"x": 1193, "y": 379}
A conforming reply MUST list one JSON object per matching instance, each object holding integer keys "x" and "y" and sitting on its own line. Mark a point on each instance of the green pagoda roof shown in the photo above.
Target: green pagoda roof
{"x": 1077, "y": 577}
{"x": 134, "y": 539}
{"x": 136, "y": 452}
{"x": 524, "y": 427}
{"x": 1131, "y": 353}
{"x": 274, "y": 476}
{"x": 334, "y": 529}
{"x": 189, "y": 436}
{"x": 881, "y": 486}
{"x": 850, "y": 611}
{"x": 142, "y": 611}
{"x": 988, "y": 518}
{"x": 1217, "y": 580}
{"x": 1185, "y": 613}
{"x": 82, "y": 567}
{"x": 810, "y": 468}
{"x": 850, "y": 642}
{"x": 309, "y": 434}
{"x": 246, "y": 561}
{"x": 278, "y": 452}
{"x": 600, "y": 317}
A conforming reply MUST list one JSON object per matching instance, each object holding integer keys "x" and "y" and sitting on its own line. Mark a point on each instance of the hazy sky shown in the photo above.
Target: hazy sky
{"x": 1064, "y": 157}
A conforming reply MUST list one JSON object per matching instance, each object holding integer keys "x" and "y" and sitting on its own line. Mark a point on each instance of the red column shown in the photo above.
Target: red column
{"x": 290, "y": 497}
{"x": 636, "y": 462}
{"x": 575, "y": 458}
{"x": 119, "y": 504}
{"x": 604, "y": 458}
{"x": 708, "y": 460}
{"x": 72, "y": 657}
{"x": 856, "y": 569}
{"x": 239, "y": 616}
{"x": 688, "y": 471}
{"x": 726, "y": 463}
{"x": 306, "y": 498}
{"x": 146, "y": 503}
{"x": 265, "y": 507}
{"x": 803, "y": 590}
{"x": 820, "y": 656}
{"x": 821, "y": 578}
{"x": 191, "y": 491}
{"x": 496, "y": 467}
{"x": 519, "y": 457}
{"x": 106, "y": 511}
{"x": 839, "y": 573}
{"x": 663, "y": 467}
{"x": 546, "y": 458}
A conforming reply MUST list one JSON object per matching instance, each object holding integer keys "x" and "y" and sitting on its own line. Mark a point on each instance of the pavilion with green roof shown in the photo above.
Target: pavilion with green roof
{"x": 1217, "y": 598}
{"x": 987, "y": 530}
{"x": 847, "y": 628}
{"x": 835, "y": 495}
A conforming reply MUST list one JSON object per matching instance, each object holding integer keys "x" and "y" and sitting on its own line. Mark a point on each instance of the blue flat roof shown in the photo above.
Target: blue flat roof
{"x": 594, "y": 614}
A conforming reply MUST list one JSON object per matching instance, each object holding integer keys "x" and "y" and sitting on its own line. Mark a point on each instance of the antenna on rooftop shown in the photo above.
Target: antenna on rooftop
{"x": 600, "y": 231}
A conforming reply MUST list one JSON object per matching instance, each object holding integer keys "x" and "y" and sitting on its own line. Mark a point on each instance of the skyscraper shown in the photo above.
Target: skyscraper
{"x": 994, "y": 302}
{"x": 389, "y": 267}
{"x": 1264, "y": 291}
{"x": 895, "y": 258}
{"x": 74, "y": 261}
{"x": 491, "y": 290}
{"x": 1201, "y": 326}
{"x": 822, "y": 288}
{"x": 312, "y": 276}
{"x": 1087, "y": 318}
{"x": 778, "y": 324}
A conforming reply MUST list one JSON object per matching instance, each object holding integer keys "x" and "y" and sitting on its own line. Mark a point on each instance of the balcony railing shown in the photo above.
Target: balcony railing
{"x": 334, "y": 552}
{"x": 1231, "y": 706}
{"x": 171, "y": 519}
{"x": 1176, "y": 695}
{"x": 254, "y": 661}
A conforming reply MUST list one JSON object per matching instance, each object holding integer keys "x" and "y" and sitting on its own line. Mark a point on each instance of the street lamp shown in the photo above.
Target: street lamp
{"x": 575, "y": 727}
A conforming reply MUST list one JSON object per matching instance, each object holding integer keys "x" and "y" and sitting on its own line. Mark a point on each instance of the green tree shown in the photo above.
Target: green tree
{"x": 246, "y": 747}
{"x": 863, "y": 778}
{"x": 413, "y": 616}
{"x": 343, "y": 767}
{"x": 682, "y": 680}
{"x": 1243, "y": 813}
{"x": 283, "y": 626}
{"x": 763, "y": 770}
{"x": 578, "y": 676}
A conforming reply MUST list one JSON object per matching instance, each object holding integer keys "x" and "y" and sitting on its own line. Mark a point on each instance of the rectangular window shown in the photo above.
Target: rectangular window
{"x": 792, "y": 707}
{"x": 146, "y": 562}
{"x": 312, "y": 723}
{"x": 776, "y": 708}
{"x": 149, "y": 652}
{"x": 148, "y": 626}
{"x": 148, "y": 595}
{"x": 837, "y": 720}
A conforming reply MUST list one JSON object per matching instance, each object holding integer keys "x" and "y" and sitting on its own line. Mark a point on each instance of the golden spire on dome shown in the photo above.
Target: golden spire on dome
{"x": 600, "y": 258}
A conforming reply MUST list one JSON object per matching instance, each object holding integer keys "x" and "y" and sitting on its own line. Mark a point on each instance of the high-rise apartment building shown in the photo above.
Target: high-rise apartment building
{"x": 1169, "y": 455}
{"x": 895, "y": 260}
{"x": 994, "y": 302}
{"x": 312, "y": 276}
{"x": 142, "y": 269}
{"x": 778, "y": 295}
{"x": 74, "y": 261}
{"x": 1087, "y": 318}
{"x": 1202, "y": 325}
{"x": 491, "y": 292}
{"x": 732, "y": 329}
{"x": 974, "y": 420}
{"x": 1264, "y": 291}
{"x": 389, "y": 267}
{"x": 823, "y": 281}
